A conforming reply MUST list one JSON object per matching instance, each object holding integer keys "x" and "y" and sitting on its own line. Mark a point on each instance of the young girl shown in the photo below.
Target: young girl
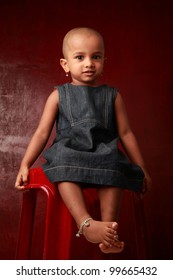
{"x": 90, "y": 120}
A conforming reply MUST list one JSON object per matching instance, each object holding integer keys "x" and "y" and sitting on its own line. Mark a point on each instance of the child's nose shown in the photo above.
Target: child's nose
{"x": 89, "y": 62}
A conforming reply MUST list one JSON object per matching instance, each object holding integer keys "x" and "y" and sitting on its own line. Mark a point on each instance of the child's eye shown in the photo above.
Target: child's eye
{"x": 79, "y": 57}
{"x": 97, "y": 56}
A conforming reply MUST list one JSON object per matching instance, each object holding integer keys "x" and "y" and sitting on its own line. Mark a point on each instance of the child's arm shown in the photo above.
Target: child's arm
{"x": 128, "y": 139}
{"x": 39, "y": 139}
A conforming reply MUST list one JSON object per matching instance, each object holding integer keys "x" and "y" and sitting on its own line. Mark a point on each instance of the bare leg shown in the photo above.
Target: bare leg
{"x": 110, "y": 204}
{"x": 97, "y": 232}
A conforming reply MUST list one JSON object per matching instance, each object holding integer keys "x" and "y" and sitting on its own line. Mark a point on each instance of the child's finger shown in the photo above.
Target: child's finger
{"x": 18, "y": 182}
{"x": 19, "y": 188}
{"x": 21, "y": 181}
{"x": 25, "y": 178}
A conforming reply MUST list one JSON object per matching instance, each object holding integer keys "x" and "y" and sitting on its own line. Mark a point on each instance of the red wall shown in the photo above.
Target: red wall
{"x": 139, "y": 44}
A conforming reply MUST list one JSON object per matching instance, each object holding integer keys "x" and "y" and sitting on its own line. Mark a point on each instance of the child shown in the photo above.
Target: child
{"x": 90, "y": 119}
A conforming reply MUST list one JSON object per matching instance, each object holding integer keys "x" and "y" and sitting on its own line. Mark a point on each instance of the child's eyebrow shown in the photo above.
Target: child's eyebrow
{"x": 98, "y": 53}
{"x": 93, "y": 53}
{"x": 78, "y": 53}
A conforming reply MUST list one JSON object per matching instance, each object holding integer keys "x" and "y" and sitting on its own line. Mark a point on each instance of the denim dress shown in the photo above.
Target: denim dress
{"x": 85, "y": 149}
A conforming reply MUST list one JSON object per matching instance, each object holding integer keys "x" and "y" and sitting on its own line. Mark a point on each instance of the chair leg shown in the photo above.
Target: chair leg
{"x": 57, "y": 229}
{"x": 142, "y": 241}
{"x": 26, "y": 225}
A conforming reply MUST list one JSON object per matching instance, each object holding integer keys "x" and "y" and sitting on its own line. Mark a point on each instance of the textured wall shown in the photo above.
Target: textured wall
{"x": 138, "y": 36}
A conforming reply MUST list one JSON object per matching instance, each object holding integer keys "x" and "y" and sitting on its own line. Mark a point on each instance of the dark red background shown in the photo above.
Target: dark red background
{"x": 139, "y": 43}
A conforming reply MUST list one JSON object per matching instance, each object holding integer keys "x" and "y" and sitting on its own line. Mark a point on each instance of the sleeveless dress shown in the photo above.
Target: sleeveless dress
{"x": 85, "y": 149}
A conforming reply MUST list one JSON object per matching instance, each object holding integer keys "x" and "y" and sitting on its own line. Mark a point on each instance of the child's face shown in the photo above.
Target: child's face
{"x": 84, "y": 59}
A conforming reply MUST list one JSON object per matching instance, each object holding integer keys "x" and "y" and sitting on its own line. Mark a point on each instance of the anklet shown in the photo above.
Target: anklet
{"x": 83, "y": 224}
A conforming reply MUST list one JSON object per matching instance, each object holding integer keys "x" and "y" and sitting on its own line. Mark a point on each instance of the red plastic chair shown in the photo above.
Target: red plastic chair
{"x": 59, "y": 240}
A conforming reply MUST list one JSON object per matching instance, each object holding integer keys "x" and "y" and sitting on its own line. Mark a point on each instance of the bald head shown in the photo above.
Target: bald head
{"x": 79, "y": 33}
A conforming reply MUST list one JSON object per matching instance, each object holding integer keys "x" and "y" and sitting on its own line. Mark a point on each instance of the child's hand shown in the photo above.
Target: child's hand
{"x": 147, "y": 183}
{"x": 22, "y": 178}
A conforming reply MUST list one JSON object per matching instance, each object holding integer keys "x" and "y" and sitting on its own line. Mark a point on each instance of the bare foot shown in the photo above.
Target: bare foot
{"x": 101, "y": 232}
{"x": 116, "y": 248}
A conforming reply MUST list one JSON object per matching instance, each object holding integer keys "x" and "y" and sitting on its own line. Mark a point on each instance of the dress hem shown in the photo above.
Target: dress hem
{"x": 96, "y": 177}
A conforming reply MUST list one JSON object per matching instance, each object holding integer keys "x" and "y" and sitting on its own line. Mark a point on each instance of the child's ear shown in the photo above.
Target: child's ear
{"x": 64, "y": 64}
